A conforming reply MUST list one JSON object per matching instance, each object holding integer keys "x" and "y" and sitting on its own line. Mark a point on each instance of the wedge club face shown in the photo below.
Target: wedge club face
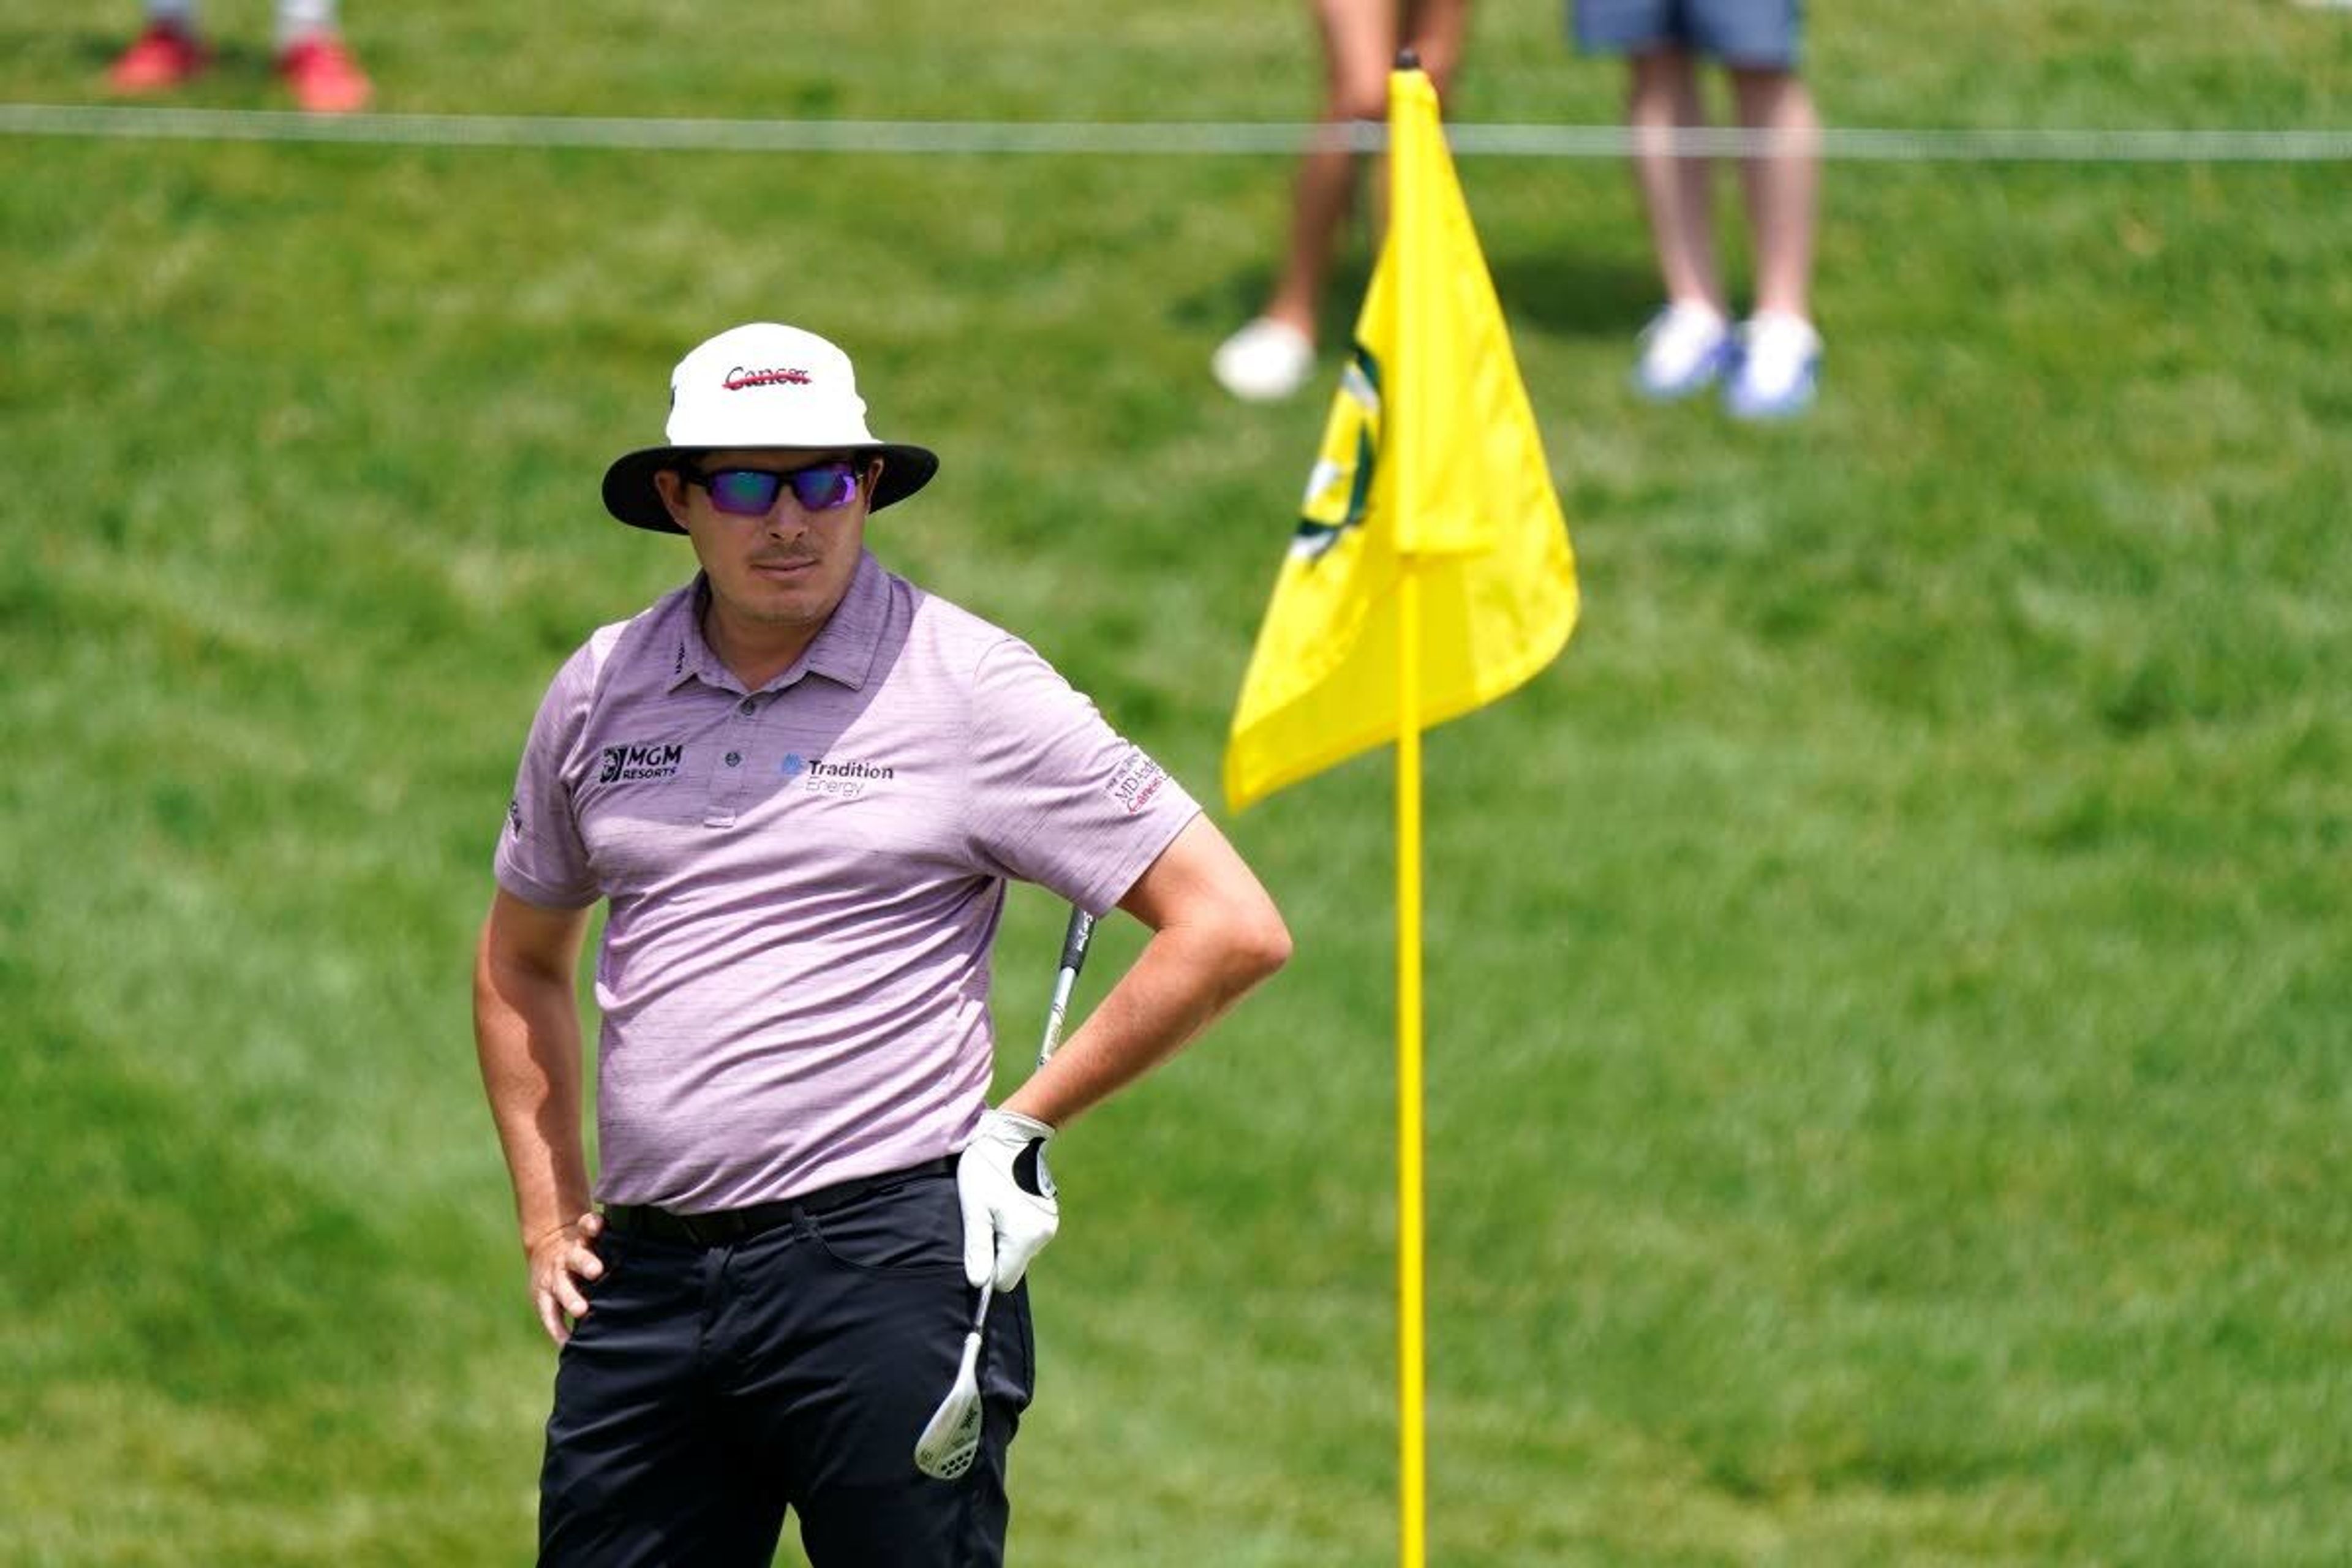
{"x": 951, "y": 1439}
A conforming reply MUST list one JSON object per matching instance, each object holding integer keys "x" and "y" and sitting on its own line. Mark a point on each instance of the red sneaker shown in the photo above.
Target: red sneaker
{"x": 324, "y": 77}
{"x": 162, "y": 57}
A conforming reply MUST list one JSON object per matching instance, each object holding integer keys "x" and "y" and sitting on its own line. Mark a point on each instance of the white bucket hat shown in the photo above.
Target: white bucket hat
{"x": 763, "y": 384}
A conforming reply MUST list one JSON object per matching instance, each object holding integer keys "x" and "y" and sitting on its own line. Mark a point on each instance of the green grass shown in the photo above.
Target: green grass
{"x": 1887, "y": 1032}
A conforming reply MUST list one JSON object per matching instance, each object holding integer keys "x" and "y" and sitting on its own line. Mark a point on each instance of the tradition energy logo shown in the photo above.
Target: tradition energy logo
{"x": 848, "y": 780}
{"x": 633, "y": 765}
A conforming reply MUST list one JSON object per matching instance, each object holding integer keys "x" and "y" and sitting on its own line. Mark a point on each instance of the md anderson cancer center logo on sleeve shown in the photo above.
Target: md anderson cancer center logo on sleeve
{"x": 634, "y": 764}
{"x": 1135, "y": 781}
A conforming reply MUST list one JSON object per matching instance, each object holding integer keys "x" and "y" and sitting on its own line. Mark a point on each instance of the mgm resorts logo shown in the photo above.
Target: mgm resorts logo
{"x": 629, "y": 764}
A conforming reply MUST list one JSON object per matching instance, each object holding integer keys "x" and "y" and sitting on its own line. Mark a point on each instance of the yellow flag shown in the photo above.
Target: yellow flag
{"x": 1431, "y": 462}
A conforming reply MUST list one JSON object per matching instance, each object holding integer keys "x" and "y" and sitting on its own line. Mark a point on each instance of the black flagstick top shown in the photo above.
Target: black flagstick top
{"x": 1408, "y": 60}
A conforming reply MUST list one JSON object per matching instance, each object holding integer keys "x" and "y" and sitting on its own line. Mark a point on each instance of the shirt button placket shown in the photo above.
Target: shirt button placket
{"x": 727, "y": 779}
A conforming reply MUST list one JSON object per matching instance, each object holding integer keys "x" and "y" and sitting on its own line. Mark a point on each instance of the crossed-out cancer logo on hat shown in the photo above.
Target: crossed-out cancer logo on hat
{"x": 738, "y": 378}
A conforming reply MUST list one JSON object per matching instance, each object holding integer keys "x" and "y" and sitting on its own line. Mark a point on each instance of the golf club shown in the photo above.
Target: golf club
{"x": 951, "y": 1438}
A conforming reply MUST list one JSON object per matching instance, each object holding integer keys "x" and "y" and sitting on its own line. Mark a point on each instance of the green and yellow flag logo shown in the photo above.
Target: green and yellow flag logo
{"x": 1339, "y": 486}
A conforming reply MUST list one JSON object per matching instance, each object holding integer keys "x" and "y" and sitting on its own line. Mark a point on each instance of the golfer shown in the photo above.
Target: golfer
{"x": 799, "y": 785}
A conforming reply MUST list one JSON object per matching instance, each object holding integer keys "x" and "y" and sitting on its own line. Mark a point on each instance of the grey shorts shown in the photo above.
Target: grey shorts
{"x": 1762, "y": 33}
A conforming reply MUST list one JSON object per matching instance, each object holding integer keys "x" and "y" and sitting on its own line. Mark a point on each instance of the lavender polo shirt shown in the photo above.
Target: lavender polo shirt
{"x": 805, "y": 880}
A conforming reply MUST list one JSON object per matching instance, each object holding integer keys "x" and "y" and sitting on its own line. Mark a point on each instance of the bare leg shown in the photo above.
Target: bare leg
{"x": 1782, "y": 186}
{"x": 1434, "y": 30}
{"x": 1271, "y": 356}
{"x": 1359, "y": 47}
{"x": 1675, "y": 190}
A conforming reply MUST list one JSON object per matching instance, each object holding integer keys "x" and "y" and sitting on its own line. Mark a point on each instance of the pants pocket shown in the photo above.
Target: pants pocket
{"x": 915, "y": 1228}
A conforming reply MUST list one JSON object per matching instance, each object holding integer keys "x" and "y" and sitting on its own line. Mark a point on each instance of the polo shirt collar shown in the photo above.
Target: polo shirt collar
{"x": 842, "y": 652}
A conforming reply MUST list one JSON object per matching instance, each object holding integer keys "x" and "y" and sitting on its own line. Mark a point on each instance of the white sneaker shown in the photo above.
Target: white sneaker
{"x": 1779, "y": 367}
{"x": 1684, "y": 349}
{"x": 1265, "y": 362}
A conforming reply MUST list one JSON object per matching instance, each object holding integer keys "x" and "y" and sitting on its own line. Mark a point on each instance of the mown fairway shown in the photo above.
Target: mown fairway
{"x": 1888, "y": 983}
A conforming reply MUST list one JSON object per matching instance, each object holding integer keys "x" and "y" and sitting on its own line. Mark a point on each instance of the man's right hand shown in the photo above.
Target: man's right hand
{"x": 559, "y": 1260}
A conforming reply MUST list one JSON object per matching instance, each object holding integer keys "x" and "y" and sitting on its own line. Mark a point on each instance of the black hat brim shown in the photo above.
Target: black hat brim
{"x": 629, "y": 492}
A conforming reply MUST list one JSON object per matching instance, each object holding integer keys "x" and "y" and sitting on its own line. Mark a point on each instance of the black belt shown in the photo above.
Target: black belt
{"x": 724, "y": 1227}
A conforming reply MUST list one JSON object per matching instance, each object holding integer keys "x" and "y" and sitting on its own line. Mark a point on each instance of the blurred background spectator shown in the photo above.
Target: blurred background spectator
{"x": 310, "y": 53}
{"x": 1272, "y": 356}
{"x": 1771, "y": 363}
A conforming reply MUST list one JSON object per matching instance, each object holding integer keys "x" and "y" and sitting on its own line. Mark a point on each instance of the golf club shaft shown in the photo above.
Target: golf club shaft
{"x": 1074, "y": 958}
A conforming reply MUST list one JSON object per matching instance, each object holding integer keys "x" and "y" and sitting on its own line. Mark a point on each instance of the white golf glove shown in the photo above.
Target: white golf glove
{"x": 1009, "y": 1212}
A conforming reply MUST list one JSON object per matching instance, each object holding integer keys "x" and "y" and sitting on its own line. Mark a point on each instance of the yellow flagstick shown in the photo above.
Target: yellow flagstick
{"x": 1412, "y": 1464}
{"x": 1413, "y": 1458}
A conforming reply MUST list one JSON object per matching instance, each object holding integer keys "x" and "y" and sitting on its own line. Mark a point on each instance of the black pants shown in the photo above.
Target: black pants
{"x": 711, "y": 1388}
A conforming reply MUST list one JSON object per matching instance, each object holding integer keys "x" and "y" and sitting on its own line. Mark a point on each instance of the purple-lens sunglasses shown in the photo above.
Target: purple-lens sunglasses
{"x": 752, "y": 492}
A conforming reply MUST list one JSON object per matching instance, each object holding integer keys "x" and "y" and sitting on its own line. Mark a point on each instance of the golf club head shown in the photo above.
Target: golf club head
{"x": 951, "y": 1438}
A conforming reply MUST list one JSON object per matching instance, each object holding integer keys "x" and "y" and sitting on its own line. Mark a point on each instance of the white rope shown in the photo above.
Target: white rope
{"x": 1855, "y": 145}
{"x": 1166, "y": 138}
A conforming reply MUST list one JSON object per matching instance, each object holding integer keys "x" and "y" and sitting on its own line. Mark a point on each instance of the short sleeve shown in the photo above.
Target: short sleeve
{"x": 541, "y": 858}
{"x": 1058, "y": 797}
